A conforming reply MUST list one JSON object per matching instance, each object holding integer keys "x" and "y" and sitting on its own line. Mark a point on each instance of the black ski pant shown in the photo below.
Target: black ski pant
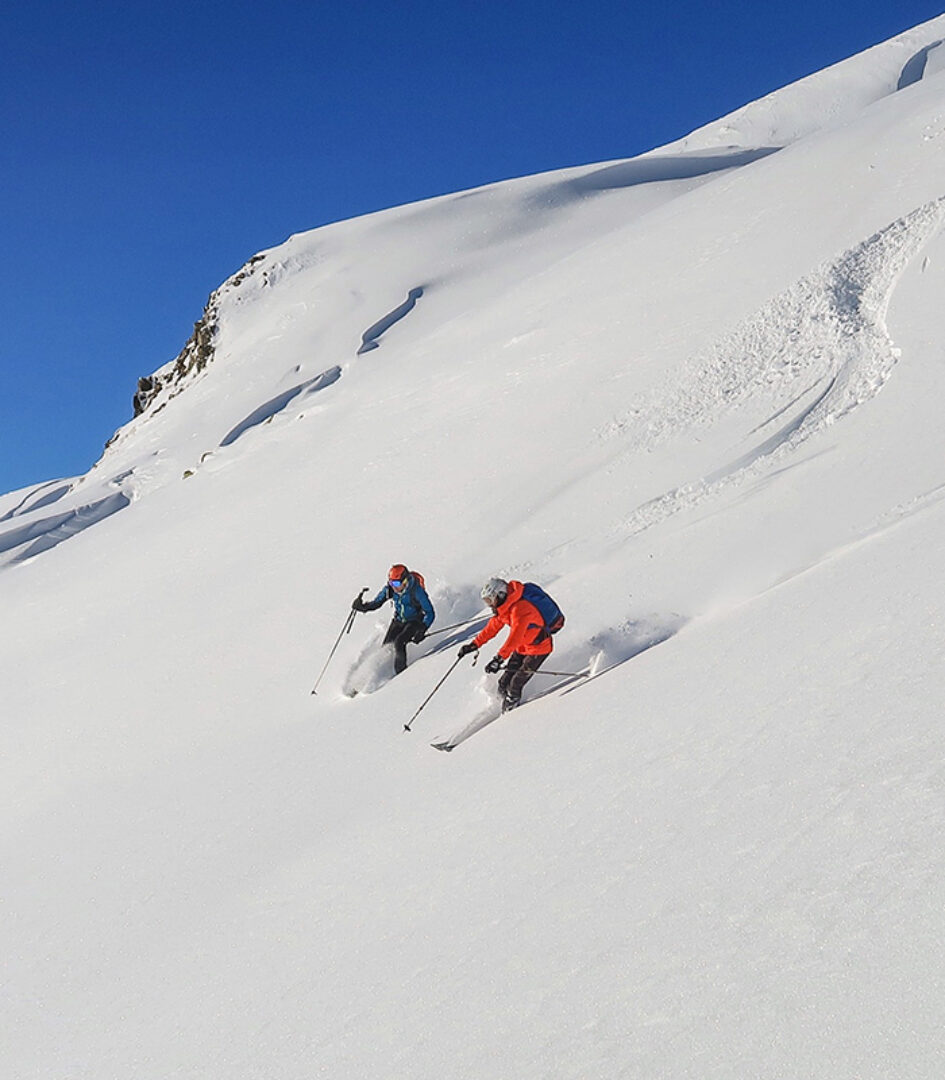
{"x": 518, "y": 670}
{"x": 400, "y": 634}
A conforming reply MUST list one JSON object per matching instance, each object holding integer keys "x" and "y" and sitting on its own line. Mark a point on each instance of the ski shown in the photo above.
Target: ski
{"x": 570, "y": 680}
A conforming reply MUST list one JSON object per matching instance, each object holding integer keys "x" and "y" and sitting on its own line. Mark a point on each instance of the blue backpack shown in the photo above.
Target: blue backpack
{"x": 547, "y": 608}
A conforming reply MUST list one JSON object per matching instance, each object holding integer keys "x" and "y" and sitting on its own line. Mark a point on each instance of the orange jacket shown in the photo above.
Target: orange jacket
{"x": 526, "y": 626}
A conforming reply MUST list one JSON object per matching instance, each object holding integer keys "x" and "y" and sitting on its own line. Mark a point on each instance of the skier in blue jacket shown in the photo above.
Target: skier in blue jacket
{"x": 413, "y": 612}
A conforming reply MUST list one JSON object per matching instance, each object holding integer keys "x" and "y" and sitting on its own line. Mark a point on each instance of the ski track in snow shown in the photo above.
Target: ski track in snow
{"x": 602, "y": 652}
{"x": 887, "y": 522}
{"x": 372, "y": 668}
{"x": 828, "y": 330}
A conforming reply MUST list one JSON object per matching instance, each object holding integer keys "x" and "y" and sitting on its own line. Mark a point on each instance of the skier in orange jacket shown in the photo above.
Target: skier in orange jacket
{"x": 532, "y": 617}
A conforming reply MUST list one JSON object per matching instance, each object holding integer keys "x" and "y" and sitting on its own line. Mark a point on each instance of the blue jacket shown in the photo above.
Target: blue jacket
{"x": 410, "y": 605}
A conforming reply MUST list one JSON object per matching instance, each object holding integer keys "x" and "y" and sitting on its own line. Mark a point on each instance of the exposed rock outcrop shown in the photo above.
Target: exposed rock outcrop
{"x": 154, "y": 391}
{"x": 193, "y": 358}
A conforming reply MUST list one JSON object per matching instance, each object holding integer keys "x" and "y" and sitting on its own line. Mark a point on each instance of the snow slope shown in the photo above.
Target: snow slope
{"x": 696, "y": 395}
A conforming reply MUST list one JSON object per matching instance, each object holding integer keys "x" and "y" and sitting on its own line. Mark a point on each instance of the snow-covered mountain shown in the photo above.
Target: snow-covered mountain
{"x": 697, "y": 395}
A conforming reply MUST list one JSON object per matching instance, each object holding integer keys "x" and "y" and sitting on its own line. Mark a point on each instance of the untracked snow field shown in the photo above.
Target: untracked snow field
{"x": 697, "y": 396}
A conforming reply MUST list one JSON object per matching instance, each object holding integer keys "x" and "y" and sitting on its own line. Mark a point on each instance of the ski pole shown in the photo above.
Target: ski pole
{"x": 432, "y": 692}
{"x": 349, "y": 622}
{"x": 346, "y": 629}
{"x": 572, "y": 674}
{"x": 456, "y": 626}
{"x": 587, "y": 672}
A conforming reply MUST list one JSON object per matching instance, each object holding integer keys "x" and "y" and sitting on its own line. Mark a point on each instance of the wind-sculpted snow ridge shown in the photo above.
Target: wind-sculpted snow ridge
{"x": 820, "y": 350}
{"x": 927, "y": 61}
{"x": 659, "y": 168}
{"x": 39, "y": 536}
{"x": 52, "y": 491}
{"x": 369, "y": 339}
{"x": 831, "y": 97}
{"x": 275, "y": 405}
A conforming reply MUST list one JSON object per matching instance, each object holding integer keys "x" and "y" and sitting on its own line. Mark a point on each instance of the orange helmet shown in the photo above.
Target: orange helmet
{"x": 397, "y": 576}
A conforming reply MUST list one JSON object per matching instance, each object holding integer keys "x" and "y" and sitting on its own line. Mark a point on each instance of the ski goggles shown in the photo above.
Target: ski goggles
{"x": 397, "y": 583}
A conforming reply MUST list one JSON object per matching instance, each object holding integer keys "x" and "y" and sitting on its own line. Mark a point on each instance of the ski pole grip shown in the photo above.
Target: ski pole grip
{"x": 353, "y": 613}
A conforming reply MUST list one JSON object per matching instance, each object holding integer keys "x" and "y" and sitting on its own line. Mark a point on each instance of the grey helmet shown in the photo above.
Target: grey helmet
{"x": 495, "y": 591}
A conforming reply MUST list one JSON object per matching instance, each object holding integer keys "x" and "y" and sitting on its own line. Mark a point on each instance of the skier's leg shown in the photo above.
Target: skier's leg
{"x": 404, "y": 636}
{"x": 395, "y": 637}
{"x": 525, "y": 670}
{"x": 512, "y": 665}
{"x": 400, "y": 654}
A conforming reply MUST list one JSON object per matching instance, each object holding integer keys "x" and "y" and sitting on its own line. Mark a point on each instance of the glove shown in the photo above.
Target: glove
{"x": 494, "y": 665}
{"x": 357, "y": 604}
{"x": 469, "y": 647}
{"x": 420, "y": 634}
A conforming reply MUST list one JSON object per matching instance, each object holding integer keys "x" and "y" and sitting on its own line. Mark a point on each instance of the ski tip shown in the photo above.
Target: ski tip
{"x": 442, "y": 746}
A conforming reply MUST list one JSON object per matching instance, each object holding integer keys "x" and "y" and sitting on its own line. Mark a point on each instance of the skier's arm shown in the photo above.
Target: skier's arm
{"x": 488, "y": 632}
{"x": 373, "y": 605}
{"x": 428, "y": 613}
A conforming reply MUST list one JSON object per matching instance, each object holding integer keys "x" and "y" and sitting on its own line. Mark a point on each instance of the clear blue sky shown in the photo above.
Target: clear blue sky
{"x": 148, "y": 150}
